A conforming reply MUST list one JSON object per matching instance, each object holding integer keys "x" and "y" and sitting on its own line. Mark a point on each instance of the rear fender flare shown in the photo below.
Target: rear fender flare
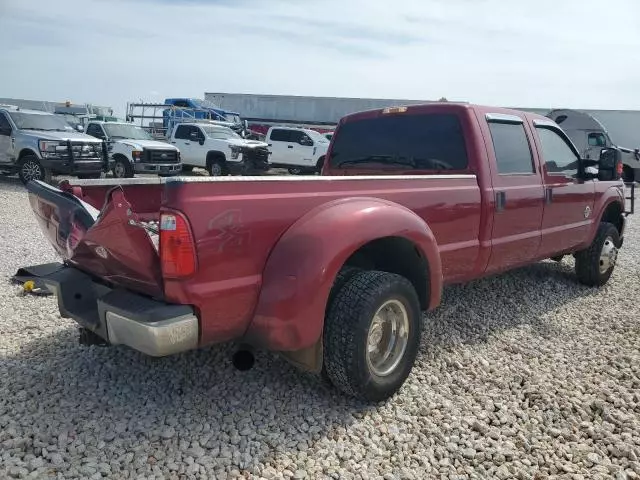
{"x": 305, "y": 261}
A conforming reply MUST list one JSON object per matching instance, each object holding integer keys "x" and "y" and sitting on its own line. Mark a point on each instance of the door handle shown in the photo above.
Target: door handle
{"x": 548, "y": 195}
{"x": 501, "y": 199}
{"x": 187, "y": 143}
{"x": 173, "y": 142}
{"x": 269, "y": 145}
{"x": 289, "y": 146}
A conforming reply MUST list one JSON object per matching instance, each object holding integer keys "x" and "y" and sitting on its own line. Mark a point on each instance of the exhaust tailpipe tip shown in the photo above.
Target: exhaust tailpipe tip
{"x": 243, "y": 358}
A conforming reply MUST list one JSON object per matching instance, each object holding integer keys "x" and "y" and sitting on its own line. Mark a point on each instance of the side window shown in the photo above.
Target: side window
{"x": 182, "y": 132}
{"x": 296, "y": 136}
{"x": 513, "y": 154}
{"x": 5, "y": 126}
{"x": 596, "y": 139}
{"x": 181, "y": 104}
{"x": 280, "y": 135}
{"x": 95, "y": 130}
{"x": 559, "y": 157}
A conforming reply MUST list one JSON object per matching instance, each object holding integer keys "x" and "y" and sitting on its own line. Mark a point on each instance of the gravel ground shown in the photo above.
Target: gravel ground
{"x": 527, "y": 375}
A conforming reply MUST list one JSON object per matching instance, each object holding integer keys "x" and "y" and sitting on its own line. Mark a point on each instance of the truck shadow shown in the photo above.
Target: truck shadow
{"x": 239, "y": 418}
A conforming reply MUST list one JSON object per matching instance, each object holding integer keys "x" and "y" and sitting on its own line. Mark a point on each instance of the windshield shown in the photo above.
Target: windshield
{"x": 37, "y": 121}
{"x": 317, "y": 136}
{"x": 220, "y": 133}
{"x": 121, "y": 130}
{"x": 421, "y": 142}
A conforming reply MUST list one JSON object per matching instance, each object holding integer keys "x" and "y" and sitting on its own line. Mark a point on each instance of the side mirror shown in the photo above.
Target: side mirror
{"x": 201, "y": 140}
{"x": 609, "y": 164}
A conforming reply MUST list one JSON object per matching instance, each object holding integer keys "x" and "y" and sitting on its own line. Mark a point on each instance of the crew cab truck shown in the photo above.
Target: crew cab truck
{"x": 36, "y": 145}
{"x": 333, "y": 271}
{"x": 300, "y": 150}
{"x": 218, "y": 149}
{"x": 133, "y": 150}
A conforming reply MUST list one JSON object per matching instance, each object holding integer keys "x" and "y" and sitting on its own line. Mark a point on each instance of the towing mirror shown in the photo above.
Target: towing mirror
{"x": 609, "y": 164}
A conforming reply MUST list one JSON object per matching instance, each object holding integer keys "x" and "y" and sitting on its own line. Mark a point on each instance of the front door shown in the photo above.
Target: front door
{"x": 182, "y": 140}
{"x": 5, "y": 139}
{"x": 518, "y": 193}
{"x": 568, "y": 210}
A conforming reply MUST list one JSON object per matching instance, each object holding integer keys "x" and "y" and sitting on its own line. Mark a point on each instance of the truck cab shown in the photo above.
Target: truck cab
{"x": 133, "y": 150}
{"x": 218, "y": 149}
{"x": 36, "y": 145}
{"x": 300, "y": 150}
{"x": 590, "y": 137}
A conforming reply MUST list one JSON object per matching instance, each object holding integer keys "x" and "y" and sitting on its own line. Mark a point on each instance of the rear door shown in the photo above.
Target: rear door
{"x": 568, "y": 201}
{"x": 518, "y": 192}
{"x": 279, "y": 142}
{"x": 5, "y": 139}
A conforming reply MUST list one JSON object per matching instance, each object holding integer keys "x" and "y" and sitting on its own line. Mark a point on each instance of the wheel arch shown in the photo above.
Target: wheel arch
{"x": 215, "y": 155}
{"x": 25, "y": 152}
{"x": 303, "y": 265}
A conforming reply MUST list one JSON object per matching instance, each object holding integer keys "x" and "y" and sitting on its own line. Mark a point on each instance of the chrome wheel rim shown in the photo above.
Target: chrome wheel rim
{"x": 216, "y": 169}
{"x": 387, "y": 338}
{"x": 31, "y": 171}
{"x": 118, "y": 170}
{"x": 608, "y": 255}
{"x": 295, "y": 171}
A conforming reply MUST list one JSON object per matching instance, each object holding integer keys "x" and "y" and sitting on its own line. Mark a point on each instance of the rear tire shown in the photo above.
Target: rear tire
{"x": 372, "y": 334}
{"x": 30, "y": 168}
{"x": 595, "y": 264}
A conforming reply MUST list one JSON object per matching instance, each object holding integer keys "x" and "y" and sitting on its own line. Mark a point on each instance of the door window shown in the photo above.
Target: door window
{"x": 280, "y": 135}
{"x": 559, "y": 157}
{"x": 5, "y": 126}
{"x": 597, "y": 139}
{"x": 95, "y": 130}
{"x": 183, "y": 132}
{"x": 513, "y": 154}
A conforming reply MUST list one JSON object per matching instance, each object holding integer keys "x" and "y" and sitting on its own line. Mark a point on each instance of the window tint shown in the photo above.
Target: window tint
{"x": 183, "y": 132}
{"x": 405, "y": 141}
{"x": 510, "y": 143}
{"x": 95, "y": 130}
{"x": 280, "y": 135}
{"x": 559, "y": 158}
{"x": 4, "y": 123}
{"x": 597, "y": 140}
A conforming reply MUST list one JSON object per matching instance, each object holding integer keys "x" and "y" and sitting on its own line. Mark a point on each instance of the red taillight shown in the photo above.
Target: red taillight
{"x": 619, "y": 169}
{"x": 177, "y": 248}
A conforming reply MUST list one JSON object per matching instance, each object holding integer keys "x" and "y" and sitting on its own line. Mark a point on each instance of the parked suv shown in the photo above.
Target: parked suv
{"x": 133, "y": 150}
{"x": 300, "y": 150}
{"x": 37, "y": 145}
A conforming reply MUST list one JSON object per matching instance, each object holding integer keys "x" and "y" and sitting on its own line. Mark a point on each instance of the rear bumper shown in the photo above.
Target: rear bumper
{"x": 122, "y": 317}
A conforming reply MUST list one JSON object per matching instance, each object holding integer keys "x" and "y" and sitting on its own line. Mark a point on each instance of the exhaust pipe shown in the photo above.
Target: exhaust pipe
{"x": 243, "y": 358}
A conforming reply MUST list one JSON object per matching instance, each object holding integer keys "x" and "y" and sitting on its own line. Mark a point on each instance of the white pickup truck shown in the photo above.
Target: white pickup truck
{"x": 300, "y": 150}
{"x": 218, "y": 149}
{"x": 133, "y": 150}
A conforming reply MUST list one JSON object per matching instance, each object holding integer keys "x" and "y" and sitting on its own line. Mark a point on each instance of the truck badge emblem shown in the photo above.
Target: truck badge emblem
{"x": 587, "y": 211}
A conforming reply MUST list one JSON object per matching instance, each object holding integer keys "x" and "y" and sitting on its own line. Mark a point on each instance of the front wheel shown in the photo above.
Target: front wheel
{"x": 122, "y": 168}
{"x": 595, "y": 264}
{"x": 217, "y": 168}
{"x": 30, "y": 168}
{"x": 372, "y": 334}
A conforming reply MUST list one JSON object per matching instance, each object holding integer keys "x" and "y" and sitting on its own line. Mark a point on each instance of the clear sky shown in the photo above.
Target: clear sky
{"x": 529, "y": 53}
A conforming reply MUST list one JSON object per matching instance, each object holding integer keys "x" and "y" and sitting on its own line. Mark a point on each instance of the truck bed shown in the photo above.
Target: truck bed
{"x": 236, "y": 221}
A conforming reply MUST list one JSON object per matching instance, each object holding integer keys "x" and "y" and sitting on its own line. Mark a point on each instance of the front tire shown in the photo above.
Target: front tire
{"x": 217, "y": 168}
{"x": 122, "y": 168}
{"x": 595, "y": 264}
{"x": 372, "y": 334}
{"x": 30, "y": 168}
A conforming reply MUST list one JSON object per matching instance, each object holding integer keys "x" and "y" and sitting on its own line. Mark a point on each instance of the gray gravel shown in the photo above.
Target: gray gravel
{"x": 527, "y": 375}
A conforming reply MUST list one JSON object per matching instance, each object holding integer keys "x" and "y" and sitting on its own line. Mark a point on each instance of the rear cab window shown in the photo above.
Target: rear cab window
{"x": 511, "y": 147}
{"x": 401, "y": 142}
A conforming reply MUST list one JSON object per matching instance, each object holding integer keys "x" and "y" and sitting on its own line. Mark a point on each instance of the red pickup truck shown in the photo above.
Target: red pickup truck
{"x": 333, "y": 271}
